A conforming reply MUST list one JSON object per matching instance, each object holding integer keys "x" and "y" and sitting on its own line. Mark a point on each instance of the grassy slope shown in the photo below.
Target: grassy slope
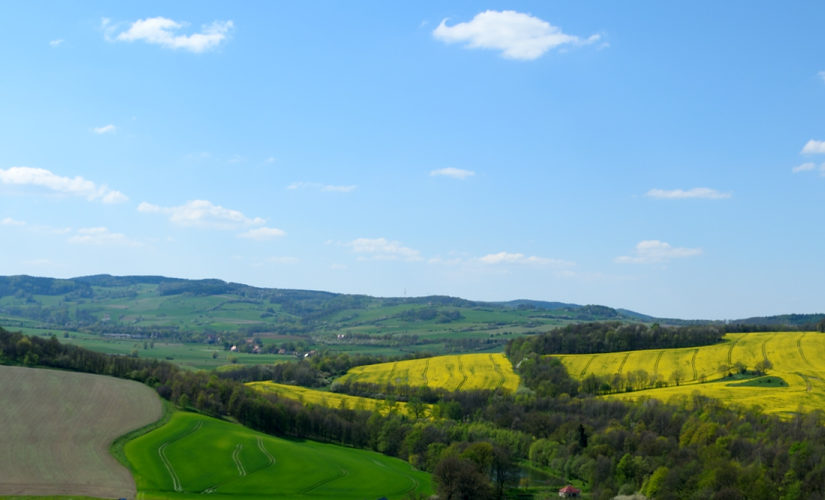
{"x": 798, "y": 358}
{"x": 455, "y": 372}
{"x": 57, "y": 428}
{"x": 193, "y": 454}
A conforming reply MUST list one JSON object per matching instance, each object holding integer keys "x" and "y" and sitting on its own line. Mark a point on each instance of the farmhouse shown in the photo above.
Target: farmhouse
{"x": 569, "y": 491}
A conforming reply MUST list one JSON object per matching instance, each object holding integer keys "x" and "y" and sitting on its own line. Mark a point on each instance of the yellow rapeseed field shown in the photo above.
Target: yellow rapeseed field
{"x": 453, "y": 373}
{"x": 797, "y": 357}
{"x": 335, "y": 400}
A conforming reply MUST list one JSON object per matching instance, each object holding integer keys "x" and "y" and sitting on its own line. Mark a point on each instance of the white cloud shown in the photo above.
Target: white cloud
{"x": 270, "y": 160}
{"x": 99, "y": 236}
{"x": 56, "y": 43}
{"x": 203, "y": 213}
{"x": 515, "y": 34}
{"x": 262, "y": 233}
{"x": 383, "y": 249}
{"x": 821, "y": 75}
{"x": 329, "y": 188}
{"x": 520, "y": 258}
{"x": 652, "y": 251}
{"x": 455, "y": 173}
{"x": 804, "y": 167}
{"x": 681, "y": 194}
{"x": 814, "y": 147}
{"x": 163, "y": 31}
{"x": 8, "y": 221}
{"x": 106, "y": 129}
{"x": 77, "y": 186}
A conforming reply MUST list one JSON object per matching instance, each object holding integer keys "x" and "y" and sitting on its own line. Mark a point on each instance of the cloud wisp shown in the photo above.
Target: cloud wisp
{"x": 455, "y": 173}
{"x": 8, "y": 221}
{"x": 520, "y": 258}
{"x": 106, "y": 129}
{"x": 813, "y": 147}
{"x": 165, "y": 32}
{"x": 517, "y": 35}
{"x": 204, "y": 214}
{"x": 382, "y": 249}
{"x": 684, "y": 194}
{"x": 655, "y": 251}
{"x": 100, "y": 236}
{"x": 262, "y": 233}
{"x": 809, "y": 167}
{"x": 77, "y": 186}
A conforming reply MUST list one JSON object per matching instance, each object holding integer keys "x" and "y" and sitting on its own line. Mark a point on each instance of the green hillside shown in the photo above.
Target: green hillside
{"x": 127, "y": 311}
{"x": 193, "y": 455}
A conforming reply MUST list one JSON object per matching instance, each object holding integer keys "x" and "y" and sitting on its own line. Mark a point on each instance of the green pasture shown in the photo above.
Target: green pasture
{"x": 188, "y": 355}
{"x": 193, "y": 455}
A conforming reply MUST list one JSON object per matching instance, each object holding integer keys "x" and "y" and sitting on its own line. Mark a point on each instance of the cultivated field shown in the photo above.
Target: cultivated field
{"x": 193, "y": 455}
{"x": 333, "y": 399}
{"x": 798, "y": 358}
{"x": 57, "y": 427}
{"x": 456, "y": 372}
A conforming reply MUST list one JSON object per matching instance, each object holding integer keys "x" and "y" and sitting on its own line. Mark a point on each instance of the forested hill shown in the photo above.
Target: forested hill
{"x": 215, "y": 310}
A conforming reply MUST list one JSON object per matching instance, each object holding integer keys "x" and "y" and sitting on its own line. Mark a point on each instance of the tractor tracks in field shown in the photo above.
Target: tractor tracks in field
{"x": 426, "y": 369}
{"x": 693, "y": 364}
{"x": 801, "y": 352}
{"x": 624, "y": 360}
{"x": 656, "y": 364}
{"x": 176, "y": 484}
{"x": 390, "y": 379}
{"x": 497, "y": 369}
{"x": 236, "y": 457}
{"x": 342, "y": 473}
{"x": 587, "y": 366}
{"x": 765, "y": 349}
{"x": 266, "y": 453}
{"x": 166, "y": 463}
{"x": 730, "y": 351}
{"x": 461, "y": 372}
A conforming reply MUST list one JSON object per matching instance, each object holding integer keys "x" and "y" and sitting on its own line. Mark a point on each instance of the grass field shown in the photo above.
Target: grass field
{"x": 187, "y": 355}
{"x": 193, "y": 455}
{"x": 333, "y": 399}
{"x": 57, "y": 427}
{"x": 798, "y": 359}
{"x": 455, "y": 372}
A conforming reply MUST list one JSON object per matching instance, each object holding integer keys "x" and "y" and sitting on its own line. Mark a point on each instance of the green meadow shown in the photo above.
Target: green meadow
{"x": 193, "y": 455}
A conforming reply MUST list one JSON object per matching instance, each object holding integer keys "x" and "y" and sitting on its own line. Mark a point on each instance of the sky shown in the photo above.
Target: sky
{"x": 664, "y": 157}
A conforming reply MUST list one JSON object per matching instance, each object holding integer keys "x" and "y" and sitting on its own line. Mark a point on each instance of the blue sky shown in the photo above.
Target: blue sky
{"x": 658, "y": 156}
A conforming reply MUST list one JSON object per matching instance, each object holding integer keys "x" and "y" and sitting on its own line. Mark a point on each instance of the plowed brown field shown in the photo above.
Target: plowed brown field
{"x": 56, "y": 428}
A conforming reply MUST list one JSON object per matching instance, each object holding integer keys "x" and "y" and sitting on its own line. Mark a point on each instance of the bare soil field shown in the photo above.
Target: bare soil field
{"x": 56, "y": 428}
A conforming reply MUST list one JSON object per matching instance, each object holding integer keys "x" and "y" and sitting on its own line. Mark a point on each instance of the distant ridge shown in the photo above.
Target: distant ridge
{"x": 317, "y": 301}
